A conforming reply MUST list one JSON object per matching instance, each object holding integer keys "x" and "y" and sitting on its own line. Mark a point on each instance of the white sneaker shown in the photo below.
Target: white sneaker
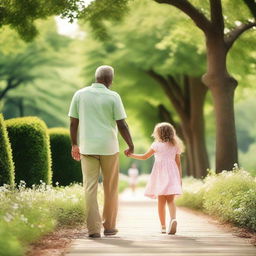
{"x": 172, "y": 227}
{"x": 163, "y": 230}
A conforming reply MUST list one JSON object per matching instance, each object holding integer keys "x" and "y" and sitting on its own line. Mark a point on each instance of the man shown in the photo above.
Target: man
{"x": 95, "y": 114}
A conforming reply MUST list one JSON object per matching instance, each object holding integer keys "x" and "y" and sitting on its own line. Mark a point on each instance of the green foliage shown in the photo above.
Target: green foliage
{"x": 31, "y": 150}
{"x": 22, "y": 14}
{"x": 230, "y": 196}
{"x": 28, "y": 213}
{"x": 100, "y": 11}
{"x": 6, "y": 161}
{"x": 65, "y": 169}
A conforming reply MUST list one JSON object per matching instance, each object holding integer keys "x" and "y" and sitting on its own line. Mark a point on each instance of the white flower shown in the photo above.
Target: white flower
{"x": 15, "y": 206}
{"x": 8, "y": 217}
{"x": 23, "y": 218}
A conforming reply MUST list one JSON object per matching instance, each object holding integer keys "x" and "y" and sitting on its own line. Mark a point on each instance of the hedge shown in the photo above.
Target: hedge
{"x": 230, "y": 196}
{"x": 31, "y": 150}
{"x": 65, "y": 169}
{"x": 6, "y": 161}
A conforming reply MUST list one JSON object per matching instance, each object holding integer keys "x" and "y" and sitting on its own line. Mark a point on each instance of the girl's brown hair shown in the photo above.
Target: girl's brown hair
{"x": 165, "y": 132}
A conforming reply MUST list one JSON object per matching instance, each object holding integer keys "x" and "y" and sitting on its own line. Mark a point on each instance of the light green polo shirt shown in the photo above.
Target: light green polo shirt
{"x": 97, "y": 109}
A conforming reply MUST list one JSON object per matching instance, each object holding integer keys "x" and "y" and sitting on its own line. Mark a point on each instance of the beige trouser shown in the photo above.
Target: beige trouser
{"x": 109, "y": 166}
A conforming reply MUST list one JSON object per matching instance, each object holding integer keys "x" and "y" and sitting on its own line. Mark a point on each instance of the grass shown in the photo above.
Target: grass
{"x": 28, "y": 213}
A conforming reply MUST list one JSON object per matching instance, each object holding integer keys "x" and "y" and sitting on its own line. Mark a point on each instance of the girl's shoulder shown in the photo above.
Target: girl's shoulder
{"x": 158, "y": 145}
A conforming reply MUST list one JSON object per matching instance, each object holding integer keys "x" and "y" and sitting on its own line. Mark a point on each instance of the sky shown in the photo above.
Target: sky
{"x": 70, "y": 29}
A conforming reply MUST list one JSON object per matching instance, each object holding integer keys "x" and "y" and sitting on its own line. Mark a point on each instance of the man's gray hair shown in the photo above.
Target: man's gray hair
{"x": 103, "y": 72}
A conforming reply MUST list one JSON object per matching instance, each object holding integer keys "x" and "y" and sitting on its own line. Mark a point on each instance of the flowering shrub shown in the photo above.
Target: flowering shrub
{"x": 231, "y": 196}
{"x": 28, "y": 213}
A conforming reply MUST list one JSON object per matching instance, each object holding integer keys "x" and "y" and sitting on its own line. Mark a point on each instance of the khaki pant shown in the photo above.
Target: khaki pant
{"x": 91, "y": 166}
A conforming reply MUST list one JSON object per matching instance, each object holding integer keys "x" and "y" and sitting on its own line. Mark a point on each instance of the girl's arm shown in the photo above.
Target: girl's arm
{"x": 177, "y": 160}
{"x": 145, "y": 156}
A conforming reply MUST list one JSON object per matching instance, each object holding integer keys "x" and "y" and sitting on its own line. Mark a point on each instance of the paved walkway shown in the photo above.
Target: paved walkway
{"x": 139, "y": 235}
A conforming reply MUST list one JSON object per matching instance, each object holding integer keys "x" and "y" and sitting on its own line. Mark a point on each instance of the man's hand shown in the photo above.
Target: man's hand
{"x": 75, "y": 153}
{"x": 129, "y": 151}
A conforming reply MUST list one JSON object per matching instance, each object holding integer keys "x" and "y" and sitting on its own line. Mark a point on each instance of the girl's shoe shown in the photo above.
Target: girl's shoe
{"x": 172, "y": 227}
{"x": 163, "y": 229}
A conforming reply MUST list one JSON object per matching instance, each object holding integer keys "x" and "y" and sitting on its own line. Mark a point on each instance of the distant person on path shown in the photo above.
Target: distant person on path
{"x": 166, "y": 177}
{"x": 95, "y": 114}
{"x": 133, "y": 174}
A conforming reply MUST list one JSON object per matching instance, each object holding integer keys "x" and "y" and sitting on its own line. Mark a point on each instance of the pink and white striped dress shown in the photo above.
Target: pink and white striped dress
{"x": 164, "y": 178}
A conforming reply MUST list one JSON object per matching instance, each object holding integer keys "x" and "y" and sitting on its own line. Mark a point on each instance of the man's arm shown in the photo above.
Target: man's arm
{"x": 124, "y": 131}
{"x": 74, "y": 122}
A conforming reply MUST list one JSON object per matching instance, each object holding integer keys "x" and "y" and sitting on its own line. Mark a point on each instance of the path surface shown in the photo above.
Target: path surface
{"x": 139, "y": 235}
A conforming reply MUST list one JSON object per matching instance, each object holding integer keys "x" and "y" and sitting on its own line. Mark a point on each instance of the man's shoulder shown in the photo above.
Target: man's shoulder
{"x": 114, "y": 94}
{"x": 82, "y": 90}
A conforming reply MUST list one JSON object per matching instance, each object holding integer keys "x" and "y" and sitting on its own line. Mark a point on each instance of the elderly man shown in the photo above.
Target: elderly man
{"x": 95, "y": 114}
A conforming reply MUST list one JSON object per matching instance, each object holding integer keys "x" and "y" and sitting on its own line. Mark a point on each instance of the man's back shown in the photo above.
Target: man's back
{"x": 97, "y": 109}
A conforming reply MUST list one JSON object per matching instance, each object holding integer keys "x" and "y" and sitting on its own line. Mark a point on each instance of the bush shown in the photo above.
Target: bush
{"x": 6, "y": 162}
{"x": 65, "y": 169}
{"x": 28, "y": 213}
{"x": 230, "y": 196}
{"x": 226, "y": 194}
{"x": 193, "y": 193}
{"x": 31, "y": 150}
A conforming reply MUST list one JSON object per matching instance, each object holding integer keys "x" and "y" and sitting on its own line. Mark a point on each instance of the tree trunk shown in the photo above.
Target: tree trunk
{"x": 21, "y": 107}
{"x": 222, "y": 87}
{"x": 188, "y": 141}
{"x": 197, "y": 98}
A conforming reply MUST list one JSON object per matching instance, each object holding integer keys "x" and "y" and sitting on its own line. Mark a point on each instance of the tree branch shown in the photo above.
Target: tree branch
{"x": 165, "y": 85}
{"x": 217, "y": 16}
{"x": 232, "y": 36}
{"x": 196, "y": 15}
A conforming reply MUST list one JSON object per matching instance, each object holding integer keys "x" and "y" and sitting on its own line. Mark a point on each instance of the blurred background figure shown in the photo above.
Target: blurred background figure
{"x": 133, "y": 174}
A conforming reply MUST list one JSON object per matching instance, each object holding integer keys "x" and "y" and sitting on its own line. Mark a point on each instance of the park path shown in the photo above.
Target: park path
{"x": 139, "y": 235}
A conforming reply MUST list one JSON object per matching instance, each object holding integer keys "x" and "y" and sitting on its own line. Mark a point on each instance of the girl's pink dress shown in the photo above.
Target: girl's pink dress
{"x": 164, "y": 178}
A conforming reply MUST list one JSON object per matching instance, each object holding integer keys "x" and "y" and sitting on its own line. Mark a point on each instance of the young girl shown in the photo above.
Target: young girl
{"x": 165, "y": 179}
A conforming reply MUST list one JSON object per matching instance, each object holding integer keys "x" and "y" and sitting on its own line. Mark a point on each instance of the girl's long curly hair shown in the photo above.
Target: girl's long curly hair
{"x": 165, "y": 132}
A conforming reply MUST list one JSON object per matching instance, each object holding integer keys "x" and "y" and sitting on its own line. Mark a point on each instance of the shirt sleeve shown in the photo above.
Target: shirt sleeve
{"x": 119, "y": 111}
{"x": 73, "y": 109}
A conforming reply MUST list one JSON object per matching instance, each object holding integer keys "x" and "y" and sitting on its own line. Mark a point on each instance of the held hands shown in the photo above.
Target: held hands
{"x": 75, "y": 153}
{"x": 129, "y": 151}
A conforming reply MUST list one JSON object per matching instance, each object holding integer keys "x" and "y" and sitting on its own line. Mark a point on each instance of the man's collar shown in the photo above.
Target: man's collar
{"x": 99, "y": 85}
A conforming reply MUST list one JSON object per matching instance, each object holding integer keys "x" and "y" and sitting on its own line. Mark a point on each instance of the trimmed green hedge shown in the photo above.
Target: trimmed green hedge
{"x": 65, "y": 169}
{"x": 31, "y": 150}
{"x": 6, "y": 162}
{"x": 230, "y": 196}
